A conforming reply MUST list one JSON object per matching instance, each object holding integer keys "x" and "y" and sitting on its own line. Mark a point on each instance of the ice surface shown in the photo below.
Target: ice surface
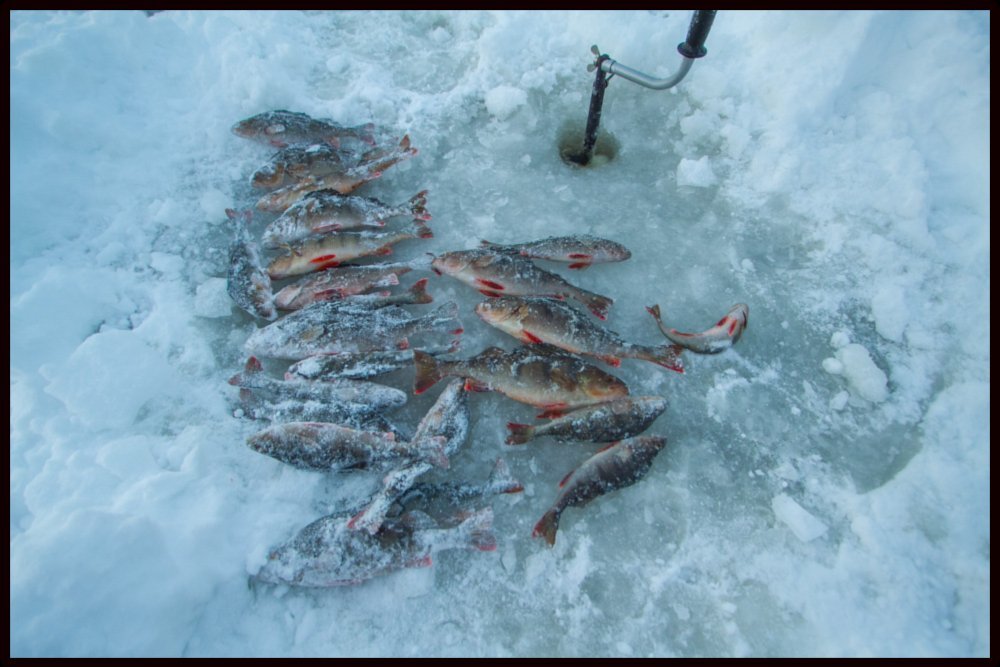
{"x": 805, "y": 526}
{"x": 829, "y": 169}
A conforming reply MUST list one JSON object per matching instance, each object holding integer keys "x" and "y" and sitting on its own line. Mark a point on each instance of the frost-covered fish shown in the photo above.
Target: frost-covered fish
{"x": 325, "y": 211}
{"x": 365, "y": 395}
{"x": 579, "y": 250}
{"x": 247, "y": 282}
{"x": 255, "y": 404}
{"x": 556, "y": 323}
{"x": 614, "y": 467}
{"x": 358, "y": 366}
{"x": 335, "y": 249}
{"x": 345, "y": 281}
{"x": 328, "y": 553}
{"x": 328, "y": 328}
{"x": 281, "y": 128}
{"x": 331, "y": 447}
{"x": 343, "y": 181}
{"x": 497, "y": 274}
{"x": 722, "y": 336}
{"x": 544, "y": 378}
{"x": 604, "y": 422}
{"x": 459, "y": 493}
{"x": 298, "y": 161}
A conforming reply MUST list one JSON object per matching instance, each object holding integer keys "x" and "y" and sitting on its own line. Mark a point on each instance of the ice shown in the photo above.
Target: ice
{"x": 830, "y": 169}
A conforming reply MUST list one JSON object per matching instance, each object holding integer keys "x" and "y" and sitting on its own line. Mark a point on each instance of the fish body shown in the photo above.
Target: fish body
{"x": 578, "y": 250}
{"x": 603, "y": 422}
{"x": 721, "y": 337}
{"x": 541, "y": 377}
{"x": 335, "y": 249}
{"x": 614, "y": 467}
{"x": 328, "y": 553}
{"x": 534, "y": 320}
{"x": 341, "y": 282}
{"x": 281, "y": 128}
{"x": 255, "y": 404}
{"x": 298, "y": 161}
{"x": 331, "y": 447}
{"x": 247, "y": 282}
{"x": 498, "y": 274}
{"x": 328, "y": 328}
{"x": 460, "y": 493}
{"x": 325, "y": 211}
{"x": 357, "y": 366}
{"x": 370, "y": 395}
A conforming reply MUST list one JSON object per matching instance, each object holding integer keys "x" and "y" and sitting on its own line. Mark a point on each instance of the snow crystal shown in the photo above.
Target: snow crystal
{"x": 805, "y": 526}
{"x": 503, "y": 101}
{"x": 696, "y": 173}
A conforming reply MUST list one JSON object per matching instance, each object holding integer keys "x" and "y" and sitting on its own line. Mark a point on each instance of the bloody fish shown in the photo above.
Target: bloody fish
{"x": 721, "y": 337}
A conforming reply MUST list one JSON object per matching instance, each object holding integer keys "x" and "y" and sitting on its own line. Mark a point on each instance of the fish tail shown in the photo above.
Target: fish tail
{"x": 445, "y": 318}
{"x": 477, "y": 530}
{"x": 519, "y": 433}
{"x": 547, "y": 526}
{"x": 421, "y": 230}
{"x": 597, "y": 303}
{"x": 654, "y": 310}
{"x": 668, "y": 356}
{"x": 418, "y": 206}
{"x": 501, "y": 480}
{"x": 418, "y": 293}
{"x": 252, "y": 368}
{"x": 427, "y": 371}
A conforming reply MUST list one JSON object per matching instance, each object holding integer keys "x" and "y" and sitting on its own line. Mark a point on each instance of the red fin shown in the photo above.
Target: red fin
{"x": 529, "y": 337}
{"x": 721, "y": 322}
{"x": 579, "y": 265}
{"x": 519, "y": 433}
{"x": 321, "y": 259}
{"x": 579, "y": 255}
{"x": 552, "y": 412}
{"x": 565, "y": 479}
{"x": 547, "y": 527}
{"x": 492, "y": 295}
{"x": 384, "y": 250}
{"x": 732, "y": 327}
{"x": 458, "y": 332}
{"x": 611, "y": 361}
{"x": 491, "y": 284}
{"x": 473, "y": 385}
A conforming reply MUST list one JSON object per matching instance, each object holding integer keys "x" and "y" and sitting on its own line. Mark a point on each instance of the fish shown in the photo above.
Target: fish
{"x": 335, "y": 249}
{"x": 325, "y": 211}
{"x": 328, "y": 328}
{"x": 534, "y": 320}
{"x": 255, "y": 404}
{"x": 328, "y": 553}
{"x": 247, "y": 282}
{"x": 500, "y": 481}
{"x": 298, "y": 161}
{"x": 544, "y": 378}
{"x": 351, "y": 280}
{"x": 447, "y": 418}
{"x": 344, "y": 181}
{"x": 603, "y": 422}
{"x": 721, "y": 337}
{"x": 331, "y": 447}
{"x": 579, "y": 250}
{"x": 281, "y": 127}
{"x": 365, "y": 396}
{"x": 496, "y": 274}
{"x": 613, "y": 467}
{"x": 358, "y": 366}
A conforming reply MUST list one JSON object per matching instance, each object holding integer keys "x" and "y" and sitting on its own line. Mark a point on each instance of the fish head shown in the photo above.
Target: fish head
{"x": 602, "y": 386}
{"x": 503, "y": 312}
{"x": 741, "y": 313}
{"x": 450, "y": 263}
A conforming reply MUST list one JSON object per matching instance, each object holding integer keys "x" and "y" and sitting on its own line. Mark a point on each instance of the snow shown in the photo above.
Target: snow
{"x": 825, "y": 486}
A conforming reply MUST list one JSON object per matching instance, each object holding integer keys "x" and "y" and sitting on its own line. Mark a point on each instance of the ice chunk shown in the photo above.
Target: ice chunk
{"x": 839, "y": 339}
{"x": 696, "y": 173}
{"x": 889, "y": 310}
{"x": 865, "y": 378}
{"x": 503, "y": 101}
{"x": 833, "y": 366}
{"x": 805, "y": 526}
{"x": 211, "y": 299}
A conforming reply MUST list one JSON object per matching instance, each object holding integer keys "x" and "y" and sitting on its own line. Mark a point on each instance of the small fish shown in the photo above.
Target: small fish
{"x": 335, "y": 249}
{"x": 722, "y": 336}
{"x": 604, "y": 422}
{"x": 579, "y": 250}
{"x": 255, "y": 404}
{"x": 328, "y": 553}
{"x": 614, "y": 467}
{"x": 328, "y": 328}
{"x": 331, "y": 447}
{"x": 358, "y": 366}
{"x": 497, "y": 274}
{"x": 326, "y": 211}
{"x": 345, "y": 281}
{"x": 544, "y": 378}
{"x": 247, "y": 282}
{"x": 451, "y": 493}
{"x": 556, "y": 323}
{"x": 280, "y": 128}
{"x": 298, "y": 161}
{"x": 365, "y": 395}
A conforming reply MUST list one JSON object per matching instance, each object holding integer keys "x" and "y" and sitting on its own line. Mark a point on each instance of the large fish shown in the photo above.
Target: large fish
{"x": 556, "y": 323}
{"x": 358, "y": 366}
{"x": 344, "y": 181}
{"x": 335, "y": 249}
{"x": 614, "y": 467}
{"x": 721, "y": 337}
{"x": 342, "y": 282}
{"x": 280, "y": 128}
{"x": 328, "y": 328}
{"x": 365, "y": 395}
{"x": 325, "y": 211}
{"x": 331, "y": 447}
{"x": 604, "y": 422}
{"x": 255, "y": 404}
{"x": 298, "y": 161}
{"x": 497, "y": 274}
{"x": 328, "y": 553}
{"x": 247, "y": 282}
{"x": 579, "y": 250}
{"x": 541, "y": 377}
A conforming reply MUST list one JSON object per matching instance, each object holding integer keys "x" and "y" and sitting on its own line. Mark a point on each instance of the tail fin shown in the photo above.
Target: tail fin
{"x": 421, "y": 230}
{"x": 597, "y": 303}
{"x": 419, "y": 292}
{"x": 501, "y": 480}
{"x": 445, "y": 318}
{"x": 253, "y": 367}
{"x": 519, "y": 433}
{"x": 654, "y": 310}
{"x": 547, "y": 527}
{"x": 668, "y": 356}
{"x": 427, "y": 372}
{"x": 418, "y": 206}
{"x": 477, "y": 530}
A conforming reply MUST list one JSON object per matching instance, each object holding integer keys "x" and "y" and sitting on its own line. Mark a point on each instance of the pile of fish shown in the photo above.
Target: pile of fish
{"x": 343, "y": 326}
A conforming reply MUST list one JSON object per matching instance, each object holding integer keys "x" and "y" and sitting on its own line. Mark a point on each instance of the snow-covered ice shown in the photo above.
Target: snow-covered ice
{"x": 825, "y": 487}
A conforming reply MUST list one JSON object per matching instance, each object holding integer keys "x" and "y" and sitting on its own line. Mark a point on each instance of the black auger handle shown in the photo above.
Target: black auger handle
{"x": 701, "y": 23}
